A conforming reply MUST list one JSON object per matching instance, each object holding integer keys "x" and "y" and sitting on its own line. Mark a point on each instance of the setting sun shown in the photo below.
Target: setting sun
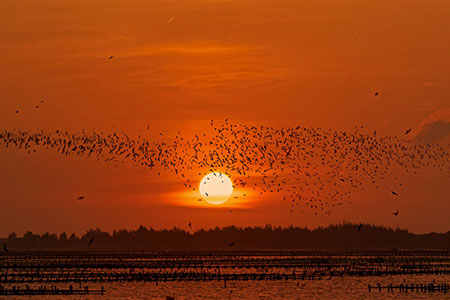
{"x": 216, "y": 188}
{"x": 221, "y": 149}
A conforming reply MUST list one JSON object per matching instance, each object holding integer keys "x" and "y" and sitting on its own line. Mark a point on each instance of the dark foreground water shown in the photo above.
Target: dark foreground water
{"x": 336, "y": 288}
{"x": 139, "y": 276}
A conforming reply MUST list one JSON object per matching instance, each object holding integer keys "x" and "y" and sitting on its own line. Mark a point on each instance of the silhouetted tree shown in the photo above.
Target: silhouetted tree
{"x": 339, "y": 236}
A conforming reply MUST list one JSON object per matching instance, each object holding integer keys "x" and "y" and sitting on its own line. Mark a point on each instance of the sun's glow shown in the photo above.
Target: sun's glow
{"x": 216, "y": 188}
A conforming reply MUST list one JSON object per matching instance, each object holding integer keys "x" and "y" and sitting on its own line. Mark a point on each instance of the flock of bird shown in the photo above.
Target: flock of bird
{"x": 308, "y": 167}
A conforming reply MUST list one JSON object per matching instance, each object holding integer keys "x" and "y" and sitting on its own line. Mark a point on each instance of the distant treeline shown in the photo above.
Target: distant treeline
{"x": 340, "y": 236}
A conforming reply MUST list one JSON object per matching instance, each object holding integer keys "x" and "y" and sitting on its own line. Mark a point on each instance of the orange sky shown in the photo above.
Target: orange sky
{"x": 178, "y": 64}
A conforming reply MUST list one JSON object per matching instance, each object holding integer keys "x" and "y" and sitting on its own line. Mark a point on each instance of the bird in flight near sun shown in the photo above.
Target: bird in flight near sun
{"x": 309, "y": 166}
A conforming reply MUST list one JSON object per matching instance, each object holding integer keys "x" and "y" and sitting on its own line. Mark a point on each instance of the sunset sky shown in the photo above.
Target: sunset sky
{"x": 178, "y": 64}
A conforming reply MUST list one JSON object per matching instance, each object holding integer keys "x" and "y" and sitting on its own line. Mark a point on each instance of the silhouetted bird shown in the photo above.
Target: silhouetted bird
{"x": 231, "y": 244}
{"x": 190, "y": 225}
{"x": 407, "y": 131}
{"x": 17, "y": 111}
{"x": 5, "y": 248}
{"x": 111, "y": 57}
{"x": 91, "y": 241}
{"x": 80, "y": 197}
{"x": 360, "y": 226}
{"x": 376, "y": 94}
{"x": 329, "y": 160}
{"x": 396, "y": 213}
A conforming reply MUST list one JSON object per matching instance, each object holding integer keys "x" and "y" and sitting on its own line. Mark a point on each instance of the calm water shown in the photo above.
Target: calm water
{"x": 337, "y": 288}
{"x": 32, "y": 268}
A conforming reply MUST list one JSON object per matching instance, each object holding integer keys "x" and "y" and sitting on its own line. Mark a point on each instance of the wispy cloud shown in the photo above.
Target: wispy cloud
{"x": 436, "y": 128}
{"x": 424, "y": 105}
{"x": 430, "y": 83}
{"x": 200, "y": 48}
{"x": 205, "y": 64}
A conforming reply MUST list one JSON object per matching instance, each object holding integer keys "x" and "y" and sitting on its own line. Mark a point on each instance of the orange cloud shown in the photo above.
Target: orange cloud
{"x": 430, "y": 83}
{"x": 436, "y": 128}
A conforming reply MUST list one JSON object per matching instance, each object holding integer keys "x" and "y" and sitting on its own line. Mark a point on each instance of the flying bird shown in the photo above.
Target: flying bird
{"x": 190, "y": 225}
{"x": 111, "y": 57}
{"x": 396, "y": 213}
{"x": 231, "y": 244}
{"x": 376, "y": 94}
{"x": 170, "y": 20}
{"x": 407, "y": 131}
{"x": 327, "y": 160}
{"x": 91, "y": 241}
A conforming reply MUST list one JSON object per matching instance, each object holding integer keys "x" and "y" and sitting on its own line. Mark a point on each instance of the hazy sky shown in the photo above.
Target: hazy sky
{"x": 178, "y": 64}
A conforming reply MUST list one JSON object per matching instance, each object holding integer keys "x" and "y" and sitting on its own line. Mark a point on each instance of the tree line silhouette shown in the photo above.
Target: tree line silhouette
{"x": 339, "y": 236}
